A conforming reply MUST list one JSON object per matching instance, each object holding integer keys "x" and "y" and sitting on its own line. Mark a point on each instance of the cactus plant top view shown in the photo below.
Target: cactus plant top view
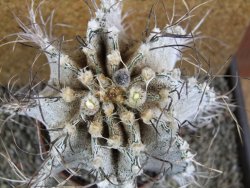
{"x": 116, "y": 114}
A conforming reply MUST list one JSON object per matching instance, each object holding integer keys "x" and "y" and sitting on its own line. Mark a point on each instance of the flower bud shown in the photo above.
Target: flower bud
{"x": 137, "y": 96}
{"x": 90, "y": 105}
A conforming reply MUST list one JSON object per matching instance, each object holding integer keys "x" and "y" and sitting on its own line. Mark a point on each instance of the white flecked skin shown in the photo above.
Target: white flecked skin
{"x": 116, "y": 119}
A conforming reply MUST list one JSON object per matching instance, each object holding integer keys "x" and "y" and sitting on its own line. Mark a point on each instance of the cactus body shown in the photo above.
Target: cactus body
{"x": 118, "y": 119}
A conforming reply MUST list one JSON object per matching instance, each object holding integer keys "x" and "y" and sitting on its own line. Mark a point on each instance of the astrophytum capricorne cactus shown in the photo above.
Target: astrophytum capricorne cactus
{"x": 117, "y": 115}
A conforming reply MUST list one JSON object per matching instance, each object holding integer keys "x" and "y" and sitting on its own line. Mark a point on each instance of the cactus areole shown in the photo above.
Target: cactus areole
{"x": 116, "y": 118}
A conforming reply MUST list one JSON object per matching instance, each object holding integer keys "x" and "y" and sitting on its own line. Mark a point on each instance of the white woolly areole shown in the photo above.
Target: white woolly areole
{"x": 115, "y": 141}
{"x": 147, "y": 115}
{"x": 164, "y": 94}
{"x": 68, "y": 94}
{"x": 114, "y": 58}
{"x": 103, "y": 81}
{"x": 93, "y": 25}
{"x": 137, "y": 148}
{"x": 86, "y": 77}
{"x": 147, "y": 74}
{"x": 175, "y": 29}
{"x": 108, "y": 109}
{"x": 95, "y": 129}
{"x": 127, "y": 117}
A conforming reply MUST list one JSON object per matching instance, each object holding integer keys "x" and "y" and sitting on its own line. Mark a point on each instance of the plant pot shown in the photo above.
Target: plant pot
{"x": 240, "y": 113}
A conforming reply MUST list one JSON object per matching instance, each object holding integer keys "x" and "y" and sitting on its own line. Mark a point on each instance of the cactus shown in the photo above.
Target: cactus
{"x": 116, "y": 116}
